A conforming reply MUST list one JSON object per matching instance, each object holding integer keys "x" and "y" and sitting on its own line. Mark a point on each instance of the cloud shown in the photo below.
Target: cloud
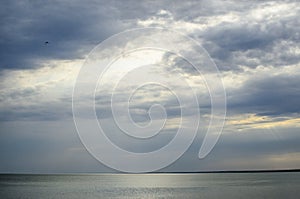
{"x": 38, "y": 94}
{"x": 267, "y": 35}
{"x": 72, "y": 30}
{"x": 255, "y": 44}
{"x": 238, "y": 34}
{"x": 270, "y": 95}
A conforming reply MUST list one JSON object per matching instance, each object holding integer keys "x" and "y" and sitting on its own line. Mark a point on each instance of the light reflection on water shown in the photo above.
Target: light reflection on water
{"x": 212, "y": 185}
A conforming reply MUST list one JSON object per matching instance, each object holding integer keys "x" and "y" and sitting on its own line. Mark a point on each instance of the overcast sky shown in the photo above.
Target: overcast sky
{"x": 255, "y": 45}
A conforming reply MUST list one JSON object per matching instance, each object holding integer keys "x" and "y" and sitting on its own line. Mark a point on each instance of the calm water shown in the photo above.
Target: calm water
{"x": 246, "y": 185}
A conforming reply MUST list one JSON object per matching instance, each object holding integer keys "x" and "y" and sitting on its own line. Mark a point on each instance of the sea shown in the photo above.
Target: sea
{"x": 161, "y": 185}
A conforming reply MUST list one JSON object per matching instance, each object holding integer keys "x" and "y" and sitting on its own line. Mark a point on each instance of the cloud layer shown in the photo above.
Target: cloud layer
{"x": 255, "y": 45}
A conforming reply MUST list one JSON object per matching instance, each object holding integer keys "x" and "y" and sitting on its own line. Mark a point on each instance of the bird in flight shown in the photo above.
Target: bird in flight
{"x": 46, "y": 42}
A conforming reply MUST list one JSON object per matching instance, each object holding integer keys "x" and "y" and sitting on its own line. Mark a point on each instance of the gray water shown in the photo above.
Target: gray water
{"x": 210, "y": 185}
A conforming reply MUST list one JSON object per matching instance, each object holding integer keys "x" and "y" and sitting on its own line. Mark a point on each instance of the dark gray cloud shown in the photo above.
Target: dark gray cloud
{"x": 72, "y": 30}
{"x": 267, "y": 95}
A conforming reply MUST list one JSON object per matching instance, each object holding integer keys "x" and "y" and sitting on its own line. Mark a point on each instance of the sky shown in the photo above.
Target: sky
{"x": 255, "y": 46}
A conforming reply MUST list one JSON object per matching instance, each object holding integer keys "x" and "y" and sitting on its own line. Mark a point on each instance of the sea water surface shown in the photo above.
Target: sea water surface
{"x": 193, "y": 185}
